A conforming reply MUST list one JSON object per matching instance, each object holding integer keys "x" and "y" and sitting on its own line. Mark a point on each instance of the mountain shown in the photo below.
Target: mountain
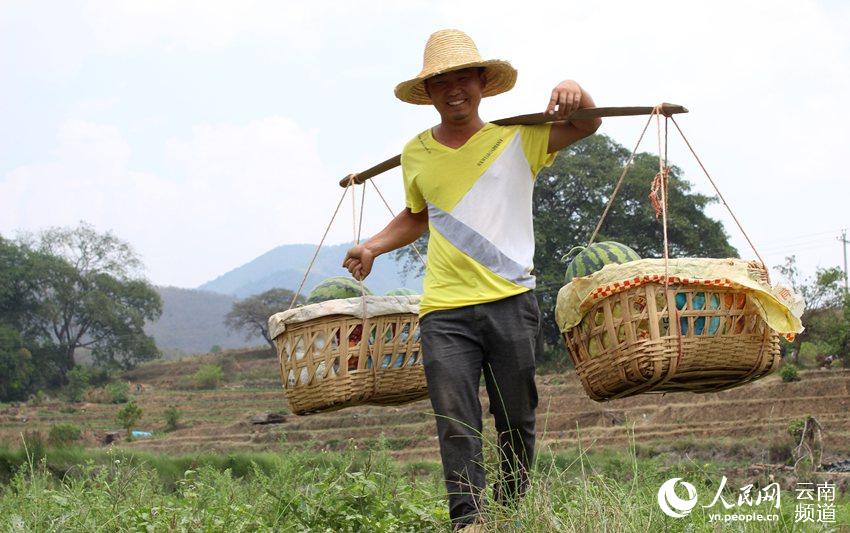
{"x": 192, "y": 321}
{"x": 284, "y": 267}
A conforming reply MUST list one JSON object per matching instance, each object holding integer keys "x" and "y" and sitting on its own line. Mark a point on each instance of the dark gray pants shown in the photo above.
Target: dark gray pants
{"x": 499, "y": 338}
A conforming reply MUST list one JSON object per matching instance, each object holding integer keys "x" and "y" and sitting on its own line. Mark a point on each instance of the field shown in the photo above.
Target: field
{"x": 593, "y": 455}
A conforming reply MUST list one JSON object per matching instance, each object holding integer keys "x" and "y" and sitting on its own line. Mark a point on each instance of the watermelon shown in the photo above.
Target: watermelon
{"x": 335, "y": 288}
{"x": 583, "y": 261}
{"x": 698, "y": 302}
{"x": 401, "y": 291}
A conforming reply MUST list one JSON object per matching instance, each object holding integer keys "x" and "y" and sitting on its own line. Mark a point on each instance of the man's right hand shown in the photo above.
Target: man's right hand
{"x": 405, "y": 228}
{"x": 359, "y": 261}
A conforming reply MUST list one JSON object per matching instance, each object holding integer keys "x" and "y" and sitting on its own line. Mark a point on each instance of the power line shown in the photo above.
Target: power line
{"x": 844, "y": 242}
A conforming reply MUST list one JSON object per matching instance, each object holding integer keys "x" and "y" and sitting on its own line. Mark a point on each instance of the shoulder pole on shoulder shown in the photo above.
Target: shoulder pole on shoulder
{"x": 533, "y": 118}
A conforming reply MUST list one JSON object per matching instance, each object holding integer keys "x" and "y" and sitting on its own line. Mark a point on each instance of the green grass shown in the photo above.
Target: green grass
{"x": 92, "y": 490}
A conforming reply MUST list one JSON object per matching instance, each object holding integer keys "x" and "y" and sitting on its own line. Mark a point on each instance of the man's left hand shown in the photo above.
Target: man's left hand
{"x": 567, "y": 97}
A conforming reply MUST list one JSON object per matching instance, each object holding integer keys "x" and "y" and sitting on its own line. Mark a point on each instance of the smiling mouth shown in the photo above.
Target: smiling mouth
{"x": 455, "y": 103}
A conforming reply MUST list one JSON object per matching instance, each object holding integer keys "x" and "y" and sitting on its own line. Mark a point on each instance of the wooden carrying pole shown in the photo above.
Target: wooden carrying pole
{"x": 533, "y": 118}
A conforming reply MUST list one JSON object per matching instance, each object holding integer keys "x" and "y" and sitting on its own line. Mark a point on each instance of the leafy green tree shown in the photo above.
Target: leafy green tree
{"x": 91, "y": 296}
{"x": 128, "y": 417}
{"x": 827, "y": 314}
{"x": 569, "y": 198}
{"x": 571, "y": 195}
{"x": 251, "y": 315}
{"x": 16, "y": 368}
{"x": 21, "y": 347}
{"x": 19, "y": 299}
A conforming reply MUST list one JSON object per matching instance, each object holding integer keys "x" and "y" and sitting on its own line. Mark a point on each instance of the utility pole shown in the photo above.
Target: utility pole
{"x": 845, "y": 242}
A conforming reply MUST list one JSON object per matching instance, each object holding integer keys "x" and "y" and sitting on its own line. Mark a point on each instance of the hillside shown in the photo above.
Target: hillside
{"x": 192, "y": 322}
{"x": 284, "y": 267}
{"x": 749, "y": 423}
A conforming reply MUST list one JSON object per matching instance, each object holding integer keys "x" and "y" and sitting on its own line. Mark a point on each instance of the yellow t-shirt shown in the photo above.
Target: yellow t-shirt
{"x": 478, "y": 198}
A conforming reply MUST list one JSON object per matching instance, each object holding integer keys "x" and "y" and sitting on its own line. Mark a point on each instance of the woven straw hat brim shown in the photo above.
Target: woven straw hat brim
{"x": 500, "y": 76}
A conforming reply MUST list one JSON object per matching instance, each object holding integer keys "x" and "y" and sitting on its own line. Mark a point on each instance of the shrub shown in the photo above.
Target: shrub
{"x": 789, "y": 373}
{"x": 118, "y": 392}
{"x": 64, "y": 434}
{"x": 215, "y": 348}
{"x": 208, "y": 377}
{"x": 795, "y": 428}
{"x": 172, "y": 418}
{"x": 128, "y": 417}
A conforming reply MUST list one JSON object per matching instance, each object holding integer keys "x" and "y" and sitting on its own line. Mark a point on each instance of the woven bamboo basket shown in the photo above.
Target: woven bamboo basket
{"x": 685, "y": 338}
{"x": 328, "y": 363}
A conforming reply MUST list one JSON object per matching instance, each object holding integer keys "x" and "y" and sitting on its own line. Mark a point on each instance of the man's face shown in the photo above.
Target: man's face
{"x": 456, "y": 94}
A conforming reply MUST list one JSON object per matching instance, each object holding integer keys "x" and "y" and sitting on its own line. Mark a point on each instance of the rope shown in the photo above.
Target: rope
{"x": 355, "y": 229}
{"x": 619, "y": 182}
{"x": 659, "y": 187}
{"x": 412, "y": 245}
{"x": 301, "y": 285}
{"x": 722, "y": 199}
{"x": 364, "y": 330}
{"x": 660, "y": 183}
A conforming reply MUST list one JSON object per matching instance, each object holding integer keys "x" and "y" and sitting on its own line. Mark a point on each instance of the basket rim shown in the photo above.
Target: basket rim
{"x": 376, "y": 306}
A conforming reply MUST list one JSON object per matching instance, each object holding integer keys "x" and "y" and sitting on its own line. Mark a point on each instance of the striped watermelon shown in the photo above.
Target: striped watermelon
{"x": 583, "y": 261}
{"x": 401, "y": 291}
{"x": 334, "y": 288}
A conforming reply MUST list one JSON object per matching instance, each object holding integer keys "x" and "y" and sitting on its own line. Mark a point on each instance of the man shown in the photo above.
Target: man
{"x": 478, "y": 311}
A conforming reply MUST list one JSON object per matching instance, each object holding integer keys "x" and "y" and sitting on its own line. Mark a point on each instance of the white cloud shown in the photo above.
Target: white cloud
{"x": 764, "y": 83}
{"x": 233, "y": 191}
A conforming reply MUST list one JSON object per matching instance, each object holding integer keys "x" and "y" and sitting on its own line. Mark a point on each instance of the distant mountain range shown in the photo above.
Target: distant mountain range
{"x": 192, "y": 320}
{"x": 284, "y": 267}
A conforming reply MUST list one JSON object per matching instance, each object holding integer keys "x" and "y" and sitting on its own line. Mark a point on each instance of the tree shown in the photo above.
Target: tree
{"x": 91, "y": 295}
{"x": 27, "y": 358}
{"x": 571, "y": 195}
{"x": 18, "y": 288}
{"x": 16, "y": 369}
{"x": 128, "y": 417}
{"x": 827, "y": 314}
{"x": 251, "y": 315}
{"x": 569, "y": 199}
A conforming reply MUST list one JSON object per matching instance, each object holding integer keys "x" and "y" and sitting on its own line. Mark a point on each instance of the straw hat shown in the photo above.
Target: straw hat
{"x": 449, "y": 50}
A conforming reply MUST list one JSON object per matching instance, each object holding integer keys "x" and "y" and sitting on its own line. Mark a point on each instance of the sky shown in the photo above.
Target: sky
{"x": 206, "y": 133}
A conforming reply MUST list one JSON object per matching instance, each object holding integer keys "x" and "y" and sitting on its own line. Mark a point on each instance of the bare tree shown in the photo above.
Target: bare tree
{"x": 251, "y": 315}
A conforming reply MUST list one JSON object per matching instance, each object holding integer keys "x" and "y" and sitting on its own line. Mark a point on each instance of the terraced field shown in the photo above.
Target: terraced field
{"x": 750, "y": 422}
